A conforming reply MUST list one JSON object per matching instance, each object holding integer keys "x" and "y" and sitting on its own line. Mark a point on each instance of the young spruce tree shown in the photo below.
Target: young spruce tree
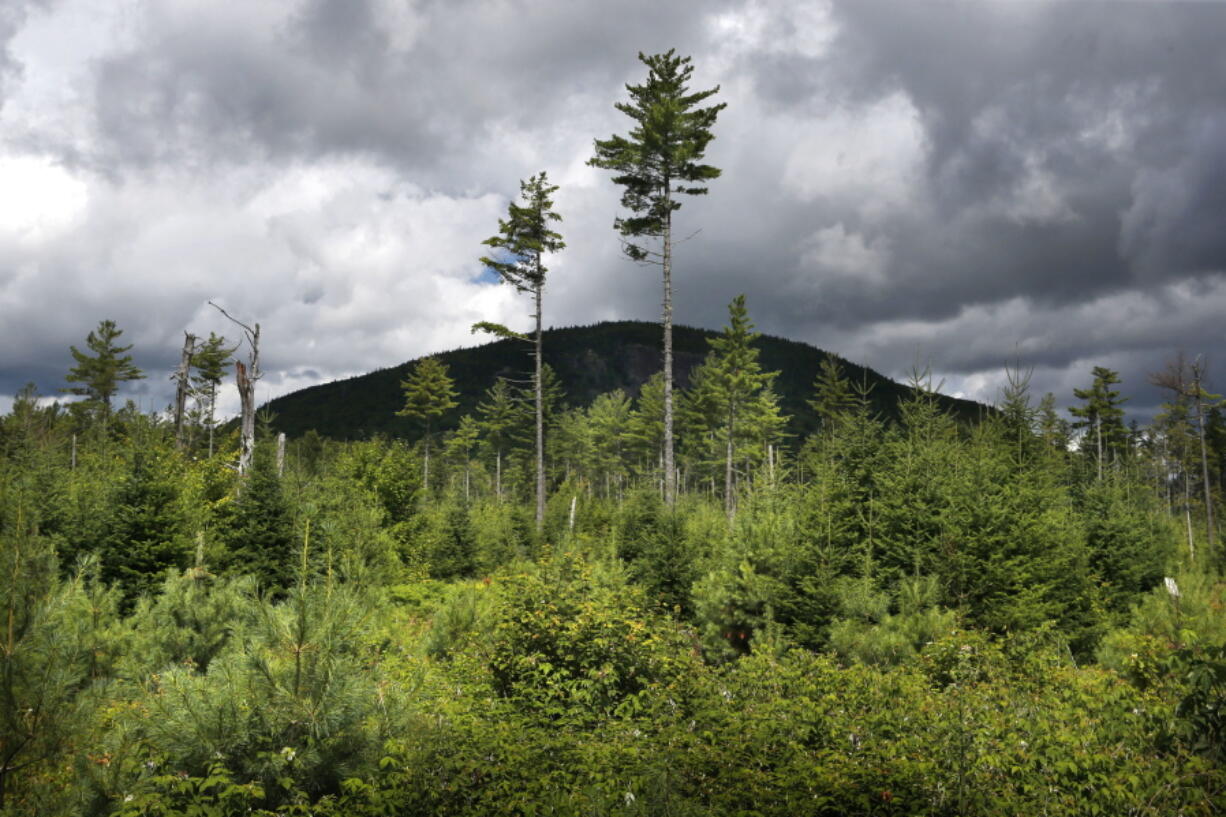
{"x": 735, "y": 386}
{"x": 260, "y": 538}
{"x": 660, "y": 159}
{"x": 428, "y": 393}
{"x": 1101, "y": 415}
{"x": 209, "y": 360}
{"x": 146, "y": 532}
{"x": 498, "y": 415}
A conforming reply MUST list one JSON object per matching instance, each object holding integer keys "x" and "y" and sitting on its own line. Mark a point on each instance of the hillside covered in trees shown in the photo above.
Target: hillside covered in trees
{"x": 588, "y": 361}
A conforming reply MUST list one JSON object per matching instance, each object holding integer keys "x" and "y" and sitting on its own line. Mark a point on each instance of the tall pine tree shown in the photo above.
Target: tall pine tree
{"x": 660, "y": 159}
{"x": 524, "y": 236}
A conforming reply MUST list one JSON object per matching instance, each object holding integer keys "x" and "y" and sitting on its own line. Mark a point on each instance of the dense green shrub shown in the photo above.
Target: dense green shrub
{"x": 58, "y": 638}
{"x": 465, "y": 615}
{"x": 295, "y": 705}
{"x": 188, "y": 623}
{"x": 868, "y": 633}
{"x": 573, "y": 640}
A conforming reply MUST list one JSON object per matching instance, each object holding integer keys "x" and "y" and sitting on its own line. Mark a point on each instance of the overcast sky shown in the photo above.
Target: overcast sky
{"x": 963, "y": 184}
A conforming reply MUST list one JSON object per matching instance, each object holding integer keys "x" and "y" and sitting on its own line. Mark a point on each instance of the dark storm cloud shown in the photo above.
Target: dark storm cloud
{"x": 1072, "y": 151}
{"x": 1001, "y": 86}
{"x": 417, "y": 85}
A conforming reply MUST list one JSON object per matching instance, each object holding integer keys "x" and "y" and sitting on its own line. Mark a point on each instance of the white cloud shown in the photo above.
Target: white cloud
{"x": 807, "y": 30}
{"x": 39, "y": 199}
{"x": 836, "y": 252}
{"x": 867, "y": 158}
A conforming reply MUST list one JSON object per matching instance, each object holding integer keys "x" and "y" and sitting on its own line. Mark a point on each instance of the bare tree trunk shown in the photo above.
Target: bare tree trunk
{"x": 670, "y": 494}
{"x": 1198, "y": 393}
{"x": 540, "y": 414}
{"x": 212, "y": 415}
{"x": 281, "y": 454}
{"x": 248, "y": 442}
{"x": 1098, "y": 433}
{"x": 660, "y": 479}
{"x": 729, "y": 505}
{"x": 181, "y": 385}
{"x": 1166, "y": 477}
{"x": 246, "y": 397}
{"x": 1187, "y": 514}
{"x": 729, "y": 494}
{"x": 246, "y": 377}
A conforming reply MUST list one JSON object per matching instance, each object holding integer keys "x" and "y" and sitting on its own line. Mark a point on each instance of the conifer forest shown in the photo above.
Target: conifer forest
{"x": 683, "y": 597}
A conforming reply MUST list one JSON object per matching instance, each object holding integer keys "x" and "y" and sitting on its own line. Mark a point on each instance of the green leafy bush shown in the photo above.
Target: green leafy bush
{"x": 573, "y": 640}
{"x": 296, "y": 705}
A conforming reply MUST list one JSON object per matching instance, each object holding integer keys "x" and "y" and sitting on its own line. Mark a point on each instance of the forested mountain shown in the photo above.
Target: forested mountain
{"x": 589, "y": 361}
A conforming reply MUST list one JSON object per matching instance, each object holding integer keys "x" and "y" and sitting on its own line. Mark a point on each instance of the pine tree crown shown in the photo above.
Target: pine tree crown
{"x": 662, "y": 155}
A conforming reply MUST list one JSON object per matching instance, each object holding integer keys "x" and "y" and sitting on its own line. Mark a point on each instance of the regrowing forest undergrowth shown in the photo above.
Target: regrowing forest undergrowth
{"x": 663, "y": 603}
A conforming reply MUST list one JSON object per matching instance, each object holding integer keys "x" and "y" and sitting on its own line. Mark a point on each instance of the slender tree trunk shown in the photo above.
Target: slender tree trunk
{"x": 670, "y": 494}
{"x": 1166, "y": 479}
{"x": 212, "y": 415}
{"x": 1187, "y": 513}
{"x": 540, "y": 414}
{"x": 1211, "y": 537}
{"x": 1098, "y": 433}
{"x": 425, "y": 480}
{"x": 181, "y": 385}
{"x": 729, "y": 498}
{"x": 281, "y": 454}
{"x": 660, "y": 480}
{"x": 246, "y": 398}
